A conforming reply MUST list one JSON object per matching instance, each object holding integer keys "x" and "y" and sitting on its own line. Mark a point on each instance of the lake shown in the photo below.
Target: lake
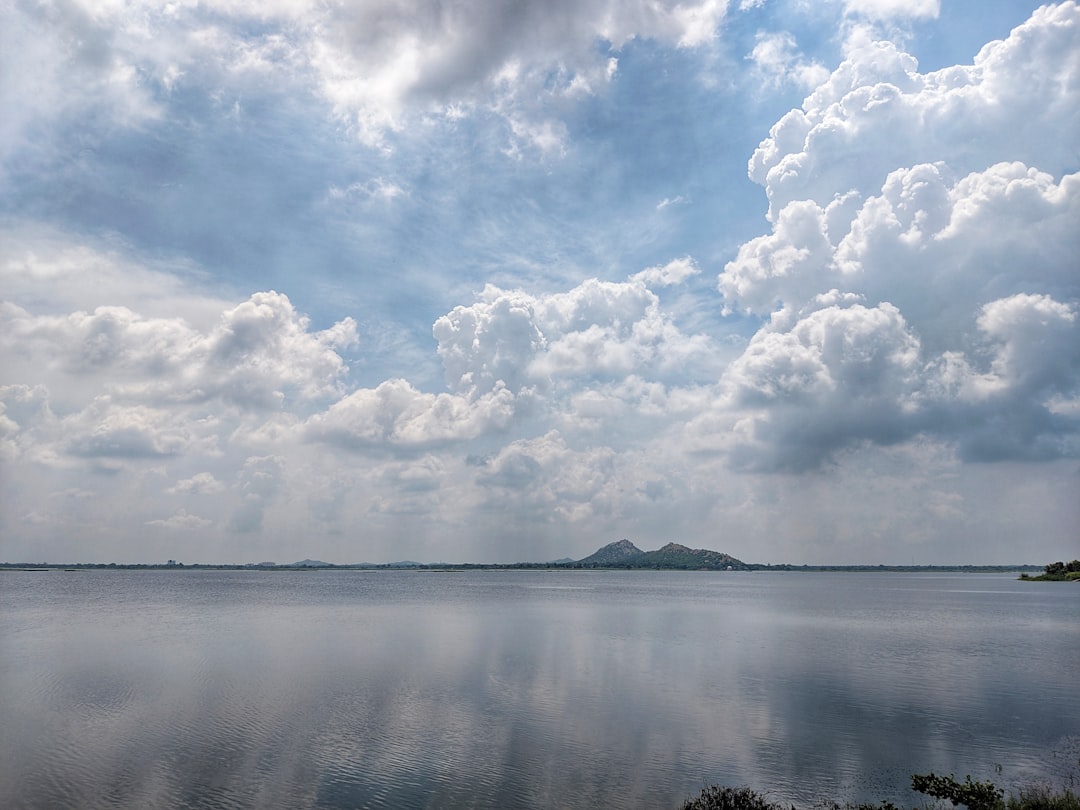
{"x": 526, "y": 689}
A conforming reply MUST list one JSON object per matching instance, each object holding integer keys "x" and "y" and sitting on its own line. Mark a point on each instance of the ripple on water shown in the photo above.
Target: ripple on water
{"x": 461, "y": 694}
{"x": 85, "y": 692}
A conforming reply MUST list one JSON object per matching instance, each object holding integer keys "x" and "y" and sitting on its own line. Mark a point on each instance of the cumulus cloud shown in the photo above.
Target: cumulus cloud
{"x": 261, "y": 352}
{"x": 106, "y": 429}
{"x": 544, "y": 479}
{"x": 977, "y": 278}
{"x": 267, "y": 349}
{"x": 598, "y": 330}
{"x": 877, "y": 113}
{"x": 181, "y": 520}
{"x": 50, "y": 272}
{"x": 920, "y": 276}
{"x": 25, "y": 420}
{"x": 203, "y": 483}
{"x": 904, "y": 297}
{"x": 397, "y": 415}
{"x": 928, "y": 242}
{"x": 840, "y": 376}
{"x": 674, "y": 272}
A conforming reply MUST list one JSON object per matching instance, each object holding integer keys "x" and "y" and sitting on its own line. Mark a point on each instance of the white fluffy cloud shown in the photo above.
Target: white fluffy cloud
{"x": 934, "y": 246}
{"x": 978, "y": 277}
{"x": 397, "y": 415}
{"x": 544, "y": 479}
{"x": 841, "y": 376}
{"x": 598, "y": 330}
{"x": 181, "y": 520}
{"x": 674, "y": 272}
{"x": 777, "y": 58}
{"x": 203, "y": 483}
{"x": 1017, "y": 102}
{"x": 261, "y": 352}
{"x": 920, "y": 277}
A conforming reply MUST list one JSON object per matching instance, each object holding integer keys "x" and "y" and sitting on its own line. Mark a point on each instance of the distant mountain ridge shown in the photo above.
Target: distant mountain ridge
{"x": 624, "y": 554}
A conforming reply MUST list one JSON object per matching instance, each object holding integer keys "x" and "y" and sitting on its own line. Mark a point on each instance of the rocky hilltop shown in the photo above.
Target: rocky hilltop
{"x": 624, "y": 554}
{"x": 617, "y": 553}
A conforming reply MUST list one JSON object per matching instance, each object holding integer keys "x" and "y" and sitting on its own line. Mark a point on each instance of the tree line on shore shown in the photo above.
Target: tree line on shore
{"x": 1058, "y": 572}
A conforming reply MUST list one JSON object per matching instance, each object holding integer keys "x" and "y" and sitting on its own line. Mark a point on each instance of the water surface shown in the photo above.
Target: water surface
{"x": 519, "y": 689}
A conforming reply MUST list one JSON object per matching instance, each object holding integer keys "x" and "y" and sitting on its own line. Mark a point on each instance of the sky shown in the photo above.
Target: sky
{"x": 508, "y": 280}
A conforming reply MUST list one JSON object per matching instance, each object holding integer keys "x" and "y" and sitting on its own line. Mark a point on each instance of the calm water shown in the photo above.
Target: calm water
{"x": 525, "y": 689}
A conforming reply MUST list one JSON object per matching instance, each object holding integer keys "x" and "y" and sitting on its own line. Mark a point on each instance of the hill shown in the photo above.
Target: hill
{"x": 618, "y": 553}
{"x": 624, "y": 554}
{"x": 674, "y": 555}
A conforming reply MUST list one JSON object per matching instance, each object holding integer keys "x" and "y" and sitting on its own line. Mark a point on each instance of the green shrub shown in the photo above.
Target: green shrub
{"x": 1041, "y": 798}
{"x": 976, "y": 795}
{"x": 714, "y": 797}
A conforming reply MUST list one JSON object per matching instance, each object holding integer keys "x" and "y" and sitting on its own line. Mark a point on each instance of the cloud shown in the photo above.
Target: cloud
{"x": 266, "y": 349}
{"x": 674, "y": 272}
{"x": 776, "y": 56}
{"x": 259, "y": 482}
{"x": 544, "y": 479}
{"x": 61, "y": 61}
{"x": 397, "y": 415}
{"x": 597, "y": 330}
{"x": 891, "y": 9}
{"x": 27, "y": 423}
{"x": 977, "y": 278}
{"x": 107, "y": 430}
{"x": 926, "y": 241}
{"x": 907, "y": 297}
{"x": 202, "y": 483}
{"x": 181, "y": 521}
{"x": 51, "y": 272}
{"x": 667, "y": 202}
{"x": 877, "y": 113}
{"x": 261, "y": 352}
{"x": 381, "y": 65}
{"x": 378, "y": 189}
{"x": 841, "y": 376}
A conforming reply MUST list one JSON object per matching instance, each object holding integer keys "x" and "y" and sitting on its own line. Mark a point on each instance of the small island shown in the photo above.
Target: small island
{"x": 1057, "y": 572}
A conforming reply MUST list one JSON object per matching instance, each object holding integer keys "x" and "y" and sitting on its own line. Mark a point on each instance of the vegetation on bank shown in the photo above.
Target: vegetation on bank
{"x": 1058, "y": 572}
{"x": 620, "y": 555}
{"x": 973, "y": 795}
{"x": 541, "y": 566}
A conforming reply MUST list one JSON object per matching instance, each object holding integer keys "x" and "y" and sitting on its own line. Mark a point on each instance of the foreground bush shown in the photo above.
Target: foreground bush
{"x": 715, "y": 797}
{"x": 973, "y": 795}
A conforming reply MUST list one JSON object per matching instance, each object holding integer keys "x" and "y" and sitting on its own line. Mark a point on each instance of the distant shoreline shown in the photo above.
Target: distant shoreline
{"x": 748, "y": 567}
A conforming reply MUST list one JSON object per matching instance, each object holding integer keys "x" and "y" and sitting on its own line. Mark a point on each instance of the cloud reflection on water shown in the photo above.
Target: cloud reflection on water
{"x": 414, "y": 690}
